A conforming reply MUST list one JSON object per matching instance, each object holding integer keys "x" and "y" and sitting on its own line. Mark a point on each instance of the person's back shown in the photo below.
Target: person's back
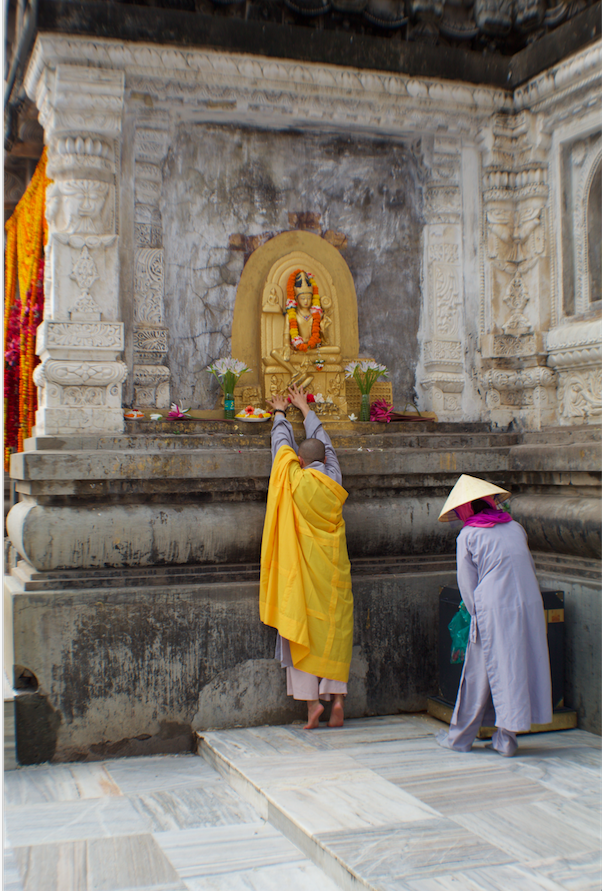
{"x": 500, "y": 553}
{"x": 506, "y": 674}
{"x": 305, "y": 582}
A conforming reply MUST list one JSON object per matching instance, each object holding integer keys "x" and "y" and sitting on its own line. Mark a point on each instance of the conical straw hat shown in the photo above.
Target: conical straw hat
{"x": 469, "y": 488}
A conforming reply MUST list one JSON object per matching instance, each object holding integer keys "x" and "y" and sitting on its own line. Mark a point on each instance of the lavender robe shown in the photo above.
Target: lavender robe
{"x": 496, "y": 577}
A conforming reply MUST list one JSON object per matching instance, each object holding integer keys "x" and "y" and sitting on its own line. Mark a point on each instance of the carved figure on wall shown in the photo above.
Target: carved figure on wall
{"x": 305, "y": 327}
{"x": 306, "y": 324}
{"x": 300, "y": 291}
{"x": 78, "y": 206}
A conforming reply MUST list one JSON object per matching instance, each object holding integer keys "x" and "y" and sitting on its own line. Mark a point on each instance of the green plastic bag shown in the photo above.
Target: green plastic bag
{"x": 459, "y": 628}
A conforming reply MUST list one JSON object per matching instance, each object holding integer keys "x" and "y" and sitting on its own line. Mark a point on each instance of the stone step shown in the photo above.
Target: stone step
{"x": 385, "y": 437}
{"x": 29, "y": 579}
{"x": 314, "y": 790}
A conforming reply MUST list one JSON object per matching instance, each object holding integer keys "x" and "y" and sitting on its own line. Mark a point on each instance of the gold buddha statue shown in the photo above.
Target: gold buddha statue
{"x": 306, "y": 324}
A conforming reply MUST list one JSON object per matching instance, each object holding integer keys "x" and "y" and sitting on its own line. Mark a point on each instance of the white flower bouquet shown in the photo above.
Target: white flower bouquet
{"x": 227, "y": 372}
{"x": 365, "y": 374}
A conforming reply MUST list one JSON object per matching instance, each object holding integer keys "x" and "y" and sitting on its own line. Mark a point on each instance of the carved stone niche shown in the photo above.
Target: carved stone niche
{"x": 260, "y": 336}
{"x": 151, "y": 378}
{"x": 575, "y": 352}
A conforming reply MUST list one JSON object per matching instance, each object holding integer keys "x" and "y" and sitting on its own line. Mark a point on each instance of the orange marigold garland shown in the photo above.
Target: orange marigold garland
{"x": 291, "y": 311}
{"x": 26, "y": 234}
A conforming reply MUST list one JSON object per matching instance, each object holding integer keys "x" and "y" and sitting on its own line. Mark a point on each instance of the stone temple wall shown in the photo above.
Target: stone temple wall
{"x": 226, "y": 189}
{"x": 468, "y": 216}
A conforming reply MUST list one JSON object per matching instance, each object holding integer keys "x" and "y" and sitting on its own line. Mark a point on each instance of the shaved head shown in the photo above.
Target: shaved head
{"x": 312, "y": 450}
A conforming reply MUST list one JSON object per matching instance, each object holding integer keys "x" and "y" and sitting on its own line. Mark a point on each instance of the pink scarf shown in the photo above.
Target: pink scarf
{"x": 486, "y": 518}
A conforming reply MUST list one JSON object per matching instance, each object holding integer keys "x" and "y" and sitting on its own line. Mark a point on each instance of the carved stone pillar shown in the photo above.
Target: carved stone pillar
{"x": 81, "y": 339}
{"x": 516, "y": 308}
{"x": 442, "y": 323}
{"x": 151, "y": 376}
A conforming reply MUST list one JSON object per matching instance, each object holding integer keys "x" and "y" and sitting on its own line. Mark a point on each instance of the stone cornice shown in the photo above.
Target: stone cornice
{"x": 256, "y": 88}
{"x": 582, "y": 70}
{"x": 288, "y": 93}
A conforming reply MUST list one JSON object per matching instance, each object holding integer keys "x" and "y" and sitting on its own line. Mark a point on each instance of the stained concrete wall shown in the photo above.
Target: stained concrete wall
{"x": 132, "y": 672}
{"x": 220, "y": 182}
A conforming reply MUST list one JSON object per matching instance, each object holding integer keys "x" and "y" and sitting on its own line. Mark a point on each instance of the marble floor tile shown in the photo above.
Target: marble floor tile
{"x": 220, "y": 850}
{"x": 529, "y": 832}
{"x": 300, "y": 877}
{"x": 57, "y": 782}
{"x": 393, "y": 854}
{"x": 405, "y": 759}
{"x": 370, "y": 731}
{"x": 575, "y": 775}
{"x": 493, "y": 878}
{"x": 156, "y": 773}
{"x": 462, "y": 791}
{"x": 580, "y": 873}
{"x": 302, "y": 770}
{"x": 585, "y": 820}
{"x": 214, "y": 804}
{"x": 365, "y": 801}
{"x": 73, "y": 820}
{"x": 11, "y": 876}
{"x": 253, "y": 742}
{"x": 103, "y": 864}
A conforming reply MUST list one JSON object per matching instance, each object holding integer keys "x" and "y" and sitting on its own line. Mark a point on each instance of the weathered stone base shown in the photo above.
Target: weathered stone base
{"x": 136, "y": 670}
{"x": 132, "y": 662}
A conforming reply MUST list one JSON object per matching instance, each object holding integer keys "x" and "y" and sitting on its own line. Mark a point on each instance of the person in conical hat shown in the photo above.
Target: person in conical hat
{"x": 506, "y": 676}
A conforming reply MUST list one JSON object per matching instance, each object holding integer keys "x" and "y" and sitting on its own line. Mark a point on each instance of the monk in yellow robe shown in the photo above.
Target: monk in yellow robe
{"x": 305, "y": 587}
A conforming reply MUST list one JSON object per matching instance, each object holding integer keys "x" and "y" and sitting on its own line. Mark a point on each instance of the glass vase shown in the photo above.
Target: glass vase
{"x": 229, "y": 410}
{"x": 365, "y": 407}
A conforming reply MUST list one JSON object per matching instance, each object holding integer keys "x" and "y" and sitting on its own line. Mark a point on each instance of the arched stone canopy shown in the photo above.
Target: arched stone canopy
{"x": 258, "y": 325}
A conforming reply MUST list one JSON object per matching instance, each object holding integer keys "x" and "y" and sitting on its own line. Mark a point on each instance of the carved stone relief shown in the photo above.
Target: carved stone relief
{"x": 151, "y": 379}
{"x": 80, "y": 340}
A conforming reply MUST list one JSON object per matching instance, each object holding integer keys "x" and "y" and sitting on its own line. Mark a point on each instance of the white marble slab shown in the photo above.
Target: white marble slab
{"x": 366, "y": 800}
{"x": 214, "y": 804}
{"x": 493, "y": 878}
{"x": 11, "y": 876}
{"x": 55, "y": 822}
{"x": 153, "y": 774}
{"x": 57, "y": 782}
{"x": 103, "y": 864}
{"x": 222, "y": 850}
{"x": 580, "y": 873}
{"x": 464, "y": 791}
{"x": 253, "y": 742}
{"x": 301, "y": 877}
{"x": 400, "y": 759}
{"x": 302, "y": 770}
{"x": 529, "y": 832}
{"x": 570, "y": 772}
{"x": 394, "y": 854}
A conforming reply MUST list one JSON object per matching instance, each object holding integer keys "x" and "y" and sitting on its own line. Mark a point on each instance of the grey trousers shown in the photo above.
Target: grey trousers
{"x": 476, "y": 702}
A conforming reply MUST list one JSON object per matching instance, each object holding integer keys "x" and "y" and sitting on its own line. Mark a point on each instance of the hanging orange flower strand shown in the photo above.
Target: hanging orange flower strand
{"x": 291, "y": 311}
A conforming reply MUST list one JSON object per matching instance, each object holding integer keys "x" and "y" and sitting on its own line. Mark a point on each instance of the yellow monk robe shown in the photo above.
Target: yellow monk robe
{"x": 305, "y": 586}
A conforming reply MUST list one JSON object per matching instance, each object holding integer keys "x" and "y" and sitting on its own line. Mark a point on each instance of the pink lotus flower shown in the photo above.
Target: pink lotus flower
{"x": 380, "y": 410}
{"x": 177, "y": 412}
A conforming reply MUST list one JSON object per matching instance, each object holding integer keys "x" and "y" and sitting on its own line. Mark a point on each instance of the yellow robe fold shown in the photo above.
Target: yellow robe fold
{"x": 305, "y": 585}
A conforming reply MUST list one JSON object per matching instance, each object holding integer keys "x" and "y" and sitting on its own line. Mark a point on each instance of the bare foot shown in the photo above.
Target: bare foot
{"x": 336, "y": 712}
{"x": 314, "y": 710}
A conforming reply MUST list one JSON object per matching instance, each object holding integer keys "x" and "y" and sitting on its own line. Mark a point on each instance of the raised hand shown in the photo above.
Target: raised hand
{"x": 298, "y": 399}
{"x": 277, "y": 403}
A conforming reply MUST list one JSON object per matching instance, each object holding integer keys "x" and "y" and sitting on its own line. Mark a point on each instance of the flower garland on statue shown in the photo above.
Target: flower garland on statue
{"x": 26, "y": 234}
{"x": 291, "y": 311}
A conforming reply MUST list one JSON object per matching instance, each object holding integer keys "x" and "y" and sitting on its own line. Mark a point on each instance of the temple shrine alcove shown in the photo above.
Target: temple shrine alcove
{"x": 295, "y": 321}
